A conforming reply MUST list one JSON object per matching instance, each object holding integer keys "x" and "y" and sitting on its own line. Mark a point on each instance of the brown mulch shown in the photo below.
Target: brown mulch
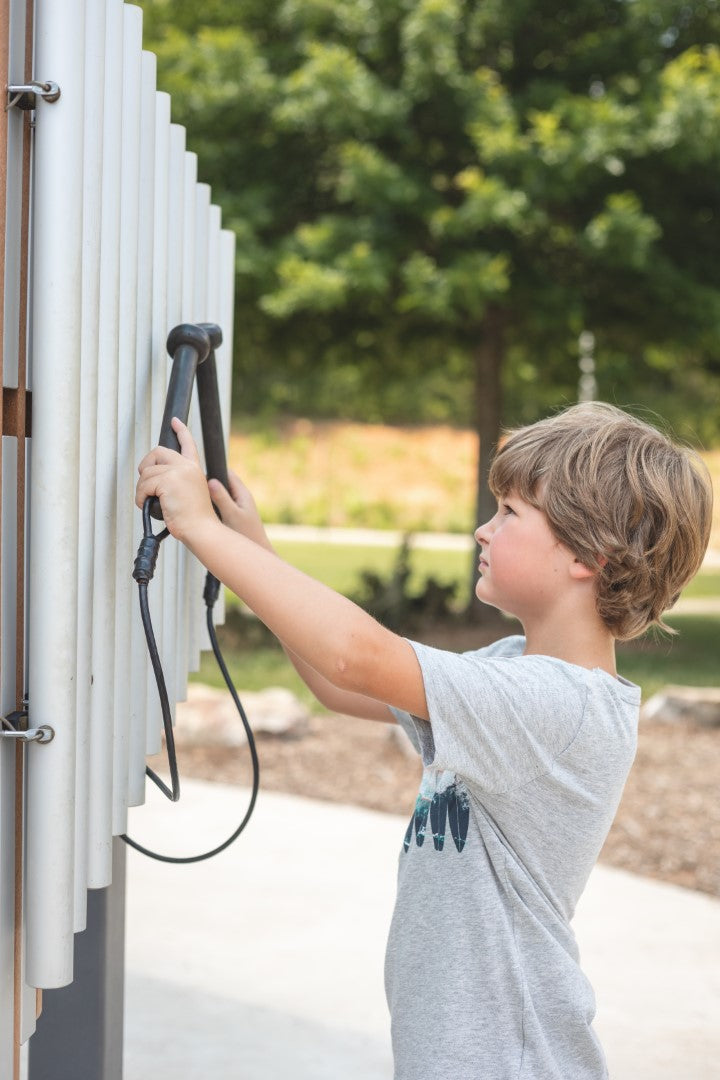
{"x": 667, "y": 826}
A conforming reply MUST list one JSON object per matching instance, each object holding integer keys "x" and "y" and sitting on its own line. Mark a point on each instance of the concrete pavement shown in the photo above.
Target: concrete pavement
{"x": 265, "y": 963}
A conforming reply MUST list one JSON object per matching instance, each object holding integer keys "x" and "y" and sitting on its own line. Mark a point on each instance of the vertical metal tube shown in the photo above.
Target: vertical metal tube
{"x": 92, "y": 210}
{"x": 158, "y": 375}
{"x": 183, "y": 586}
{"x": 11, "y": 157}
{"x": 125, "y": 600}
{"x": 56, "y": 290}
{"x": 214, "y": 308}
{"x": 199, "y": 640}
{"x": 226, "y": 259}
{"x": 172, "y": 551}
{"x": 103, "y": 633}
{"x": 139, "y": 661}
{"x": 11, "y": 176}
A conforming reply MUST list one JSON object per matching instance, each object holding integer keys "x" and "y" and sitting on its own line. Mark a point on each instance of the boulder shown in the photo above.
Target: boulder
{"x": 209, "y": 716}
{"x": 684, "y": 704}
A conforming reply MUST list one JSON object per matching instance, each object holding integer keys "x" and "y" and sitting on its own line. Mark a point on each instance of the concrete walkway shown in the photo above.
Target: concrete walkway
{"x": 265, "y": 963}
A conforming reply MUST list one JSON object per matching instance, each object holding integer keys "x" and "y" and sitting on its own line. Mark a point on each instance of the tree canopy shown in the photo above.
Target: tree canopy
{"x": 412, "y": 181}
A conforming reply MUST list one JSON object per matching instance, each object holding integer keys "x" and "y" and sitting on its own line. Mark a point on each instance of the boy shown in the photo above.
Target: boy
{"x": 526, "y": 744}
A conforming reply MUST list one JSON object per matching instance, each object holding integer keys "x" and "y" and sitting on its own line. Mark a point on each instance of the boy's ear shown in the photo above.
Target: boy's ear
{"x": 580, "y": 571}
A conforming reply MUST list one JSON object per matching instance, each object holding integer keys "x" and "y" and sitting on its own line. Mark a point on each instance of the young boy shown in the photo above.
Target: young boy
{"x": 526, "y": 744}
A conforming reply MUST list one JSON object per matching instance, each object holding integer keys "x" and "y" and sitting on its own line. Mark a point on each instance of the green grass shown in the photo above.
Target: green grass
{"x": 705, "y": 586}
{"x": 253, "y": 667}
{"x": 340, "y": 565}
{"x": 689, "y": 659}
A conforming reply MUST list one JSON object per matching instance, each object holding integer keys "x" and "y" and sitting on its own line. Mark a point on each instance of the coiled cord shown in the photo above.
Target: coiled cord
{"x": 143, "y": 572}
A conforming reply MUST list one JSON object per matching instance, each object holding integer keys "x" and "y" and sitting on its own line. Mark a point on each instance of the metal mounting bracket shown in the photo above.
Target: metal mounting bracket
{"x": 24, "y": 96}
{"x": 14, "y": 726}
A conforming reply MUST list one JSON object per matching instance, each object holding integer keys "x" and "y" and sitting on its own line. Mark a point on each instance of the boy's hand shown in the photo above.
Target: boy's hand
{"x": 238, "y": 510}
{"x": 179, "y": 483}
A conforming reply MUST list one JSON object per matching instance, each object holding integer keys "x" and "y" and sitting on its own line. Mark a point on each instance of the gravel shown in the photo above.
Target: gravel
{"x": 667, "y": 826}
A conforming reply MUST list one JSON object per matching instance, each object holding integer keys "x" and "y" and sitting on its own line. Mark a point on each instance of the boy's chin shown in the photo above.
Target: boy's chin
{"x": 487, "y": 602}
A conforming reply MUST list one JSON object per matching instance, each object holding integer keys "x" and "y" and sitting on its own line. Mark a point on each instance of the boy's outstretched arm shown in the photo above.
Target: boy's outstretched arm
{"x": 335, "y": 637}
{"x": 239, "y": 512}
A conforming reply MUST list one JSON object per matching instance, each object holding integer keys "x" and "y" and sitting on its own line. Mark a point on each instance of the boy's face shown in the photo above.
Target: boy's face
{"x": 524, "y": 568}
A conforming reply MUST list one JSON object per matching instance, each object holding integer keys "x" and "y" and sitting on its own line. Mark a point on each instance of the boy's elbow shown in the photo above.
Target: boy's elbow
{"x": 343, "y": 675}
{"x": 355, "y": 665}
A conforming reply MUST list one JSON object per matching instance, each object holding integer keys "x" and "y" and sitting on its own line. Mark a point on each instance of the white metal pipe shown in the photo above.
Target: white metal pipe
{"x": 56, "y": 332}
{"x": 103, "y": 643}
{"x": 139, "y": 660}
{"x": 158, "y": 375}
{"x": 8, "y": 524}
{"x": 186, "y": 313}
{"x": 92, "y": 209}
{"x": 226, "y": 263}
{"x": 8, "y": 553}
{"x": 172, "y": 552}
{"x": 215, "y": 314}
{"x": 227, "y": 279}
{"x": 125, "y": 398}
{"x": 199, "y": 639}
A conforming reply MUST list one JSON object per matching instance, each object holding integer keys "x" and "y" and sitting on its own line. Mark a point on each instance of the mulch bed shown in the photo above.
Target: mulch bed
{"x": 667, "y": 826}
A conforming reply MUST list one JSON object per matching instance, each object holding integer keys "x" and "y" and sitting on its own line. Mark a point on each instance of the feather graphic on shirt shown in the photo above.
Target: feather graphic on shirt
{"x": 422, "y": 808}
{"x": 449, "y": 806}
{"x": 458, "y": 814}
{"x": 438, "y": 816}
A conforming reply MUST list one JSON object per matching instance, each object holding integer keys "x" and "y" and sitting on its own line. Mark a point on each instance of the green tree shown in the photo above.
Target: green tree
{"x": 454, "y": 189}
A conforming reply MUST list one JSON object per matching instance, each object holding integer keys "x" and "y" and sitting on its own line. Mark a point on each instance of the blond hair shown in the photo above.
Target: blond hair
{"x": 615, "y": 488}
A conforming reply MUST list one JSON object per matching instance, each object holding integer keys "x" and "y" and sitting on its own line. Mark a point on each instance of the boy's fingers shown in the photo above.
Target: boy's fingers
{"x": 235, "y": 485}
{"x": 187, "y": 443}
{"x": 219, "y": 493}
{"x": 159, "y": 456}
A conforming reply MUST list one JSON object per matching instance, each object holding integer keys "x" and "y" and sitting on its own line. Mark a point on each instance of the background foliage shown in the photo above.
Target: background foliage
{"x": 398, "y": 172}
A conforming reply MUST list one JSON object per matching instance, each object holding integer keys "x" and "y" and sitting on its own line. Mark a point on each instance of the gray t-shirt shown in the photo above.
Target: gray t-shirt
{"x": 525, "y": 759}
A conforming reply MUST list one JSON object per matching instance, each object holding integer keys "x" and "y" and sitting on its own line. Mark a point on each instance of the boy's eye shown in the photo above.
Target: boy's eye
{"x": 507, "y": 509}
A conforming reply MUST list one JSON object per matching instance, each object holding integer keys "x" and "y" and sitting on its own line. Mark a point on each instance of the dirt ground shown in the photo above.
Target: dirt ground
{"x": 667, "y": 826}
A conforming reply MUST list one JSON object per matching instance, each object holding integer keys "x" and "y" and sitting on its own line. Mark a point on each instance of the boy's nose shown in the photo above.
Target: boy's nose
{"x": 482, "y": 533}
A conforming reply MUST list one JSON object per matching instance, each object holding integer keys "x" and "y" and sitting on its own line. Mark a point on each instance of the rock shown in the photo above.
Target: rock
{"x": 209, "y": 717}
{"x": 684, "y": 704}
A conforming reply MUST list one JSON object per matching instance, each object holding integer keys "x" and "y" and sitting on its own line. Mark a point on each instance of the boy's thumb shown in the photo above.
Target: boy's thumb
{"x": 220, "y": 495}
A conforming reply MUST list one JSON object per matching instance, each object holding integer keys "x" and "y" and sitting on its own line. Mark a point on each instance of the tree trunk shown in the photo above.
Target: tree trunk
{"x": 488, "y": 360}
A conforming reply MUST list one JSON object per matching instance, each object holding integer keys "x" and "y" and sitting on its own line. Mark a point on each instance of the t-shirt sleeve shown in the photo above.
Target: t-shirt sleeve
{"x": 496, "y": 721}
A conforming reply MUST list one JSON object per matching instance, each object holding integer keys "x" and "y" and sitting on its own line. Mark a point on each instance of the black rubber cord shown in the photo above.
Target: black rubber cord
{"x": 143, "y": 572}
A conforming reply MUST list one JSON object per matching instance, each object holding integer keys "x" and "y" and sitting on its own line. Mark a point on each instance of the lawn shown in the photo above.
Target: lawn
{"x": 652, "y": 661}
{"x": 369, "y": 475}
{"x": 335, "y": 473}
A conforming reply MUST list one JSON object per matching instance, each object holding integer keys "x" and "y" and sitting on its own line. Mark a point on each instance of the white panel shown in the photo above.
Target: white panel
{"x": 226, "y": 261}
{"x": 125, "y": 464}
{"x": 7, "y": 758}
{"x": 215, "y": 314}
{"x": 171, "y": 551}
{"x": 139, "y": 661}
{"x": 198, "y": 635}
{"x": 57, "y": 257}
{"x": 186, "y": 313}
{"x": 227, "y": 279}
{"x": 102, "y": 695}
{"x": 225, "y": 370}
{"x": 92, "y": 209}
{"x": 159, "y": 374}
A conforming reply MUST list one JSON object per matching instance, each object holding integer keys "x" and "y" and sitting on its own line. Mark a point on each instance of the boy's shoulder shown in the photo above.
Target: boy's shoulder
{"x": 513, "y": 645}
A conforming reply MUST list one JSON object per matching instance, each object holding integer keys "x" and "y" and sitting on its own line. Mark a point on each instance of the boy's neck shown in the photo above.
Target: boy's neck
{"x": 586, "y": 646}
